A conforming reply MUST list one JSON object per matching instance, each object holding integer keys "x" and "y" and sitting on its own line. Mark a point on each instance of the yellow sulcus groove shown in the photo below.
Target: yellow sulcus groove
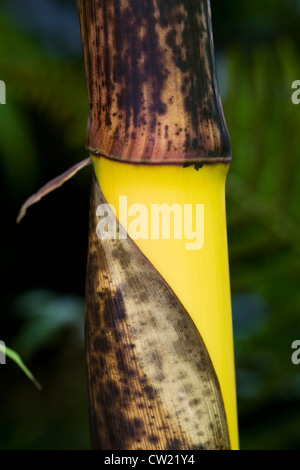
{"x": 199, "y": 278}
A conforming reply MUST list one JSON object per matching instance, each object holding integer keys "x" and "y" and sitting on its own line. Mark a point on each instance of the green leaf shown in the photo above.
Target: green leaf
{"x": 17, "y": 359}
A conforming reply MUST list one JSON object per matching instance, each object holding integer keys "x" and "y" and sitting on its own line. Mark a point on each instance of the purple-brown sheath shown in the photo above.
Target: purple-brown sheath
{"x": 151, "y": 81}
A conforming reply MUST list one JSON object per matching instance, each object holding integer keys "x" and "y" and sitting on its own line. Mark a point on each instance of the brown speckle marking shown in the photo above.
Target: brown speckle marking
{"x": 152, "y": 61}
{"x": 139, "y": 371}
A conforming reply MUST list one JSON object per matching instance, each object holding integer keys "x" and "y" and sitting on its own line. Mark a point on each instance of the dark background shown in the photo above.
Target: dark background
{"x": 43, "y": 260}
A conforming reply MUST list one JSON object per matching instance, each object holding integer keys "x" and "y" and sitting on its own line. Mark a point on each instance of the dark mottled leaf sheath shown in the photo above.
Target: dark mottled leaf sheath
{"x": 151, "y": 381}
{"x": 151, "y": 81}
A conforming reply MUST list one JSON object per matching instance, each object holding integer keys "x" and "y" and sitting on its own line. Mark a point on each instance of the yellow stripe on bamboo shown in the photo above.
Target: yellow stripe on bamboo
{"x": 199, "y": 277}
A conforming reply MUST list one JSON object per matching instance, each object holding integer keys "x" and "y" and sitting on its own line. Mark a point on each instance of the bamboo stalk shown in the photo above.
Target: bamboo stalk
{"x": 158, "y": 326}
{"x": 151, "y": 81}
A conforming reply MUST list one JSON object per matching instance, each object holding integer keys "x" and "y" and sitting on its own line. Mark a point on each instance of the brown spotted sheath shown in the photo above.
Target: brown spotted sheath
{"x": 151, "y": 381}
{"x": 151, "y": 81}
{"x": 153, "y": 99}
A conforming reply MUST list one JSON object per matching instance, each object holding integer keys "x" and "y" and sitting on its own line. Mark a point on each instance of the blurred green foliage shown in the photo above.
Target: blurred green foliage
{"x": 52, "y": 87}
{"x": 263, "y": 194}
{"x": 42, "y": 132}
